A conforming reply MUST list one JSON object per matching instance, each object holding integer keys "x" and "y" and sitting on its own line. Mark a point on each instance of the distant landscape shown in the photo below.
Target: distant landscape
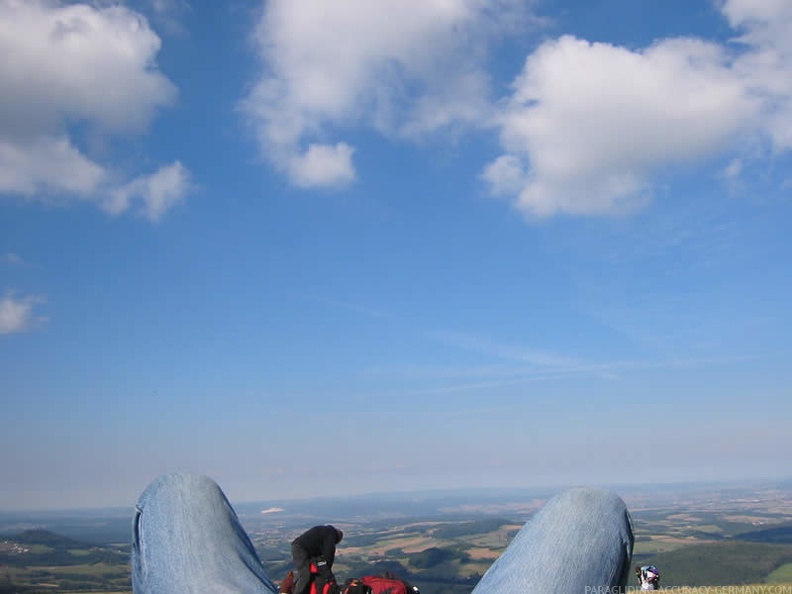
{"x": 443, "y": 542}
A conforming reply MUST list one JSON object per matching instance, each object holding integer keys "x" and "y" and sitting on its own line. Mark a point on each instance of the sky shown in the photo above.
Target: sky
{"x": 317, "y": 248}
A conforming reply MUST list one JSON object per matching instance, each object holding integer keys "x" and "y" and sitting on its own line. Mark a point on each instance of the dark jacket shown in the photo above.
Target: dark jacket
{"x": 319, "y": 540}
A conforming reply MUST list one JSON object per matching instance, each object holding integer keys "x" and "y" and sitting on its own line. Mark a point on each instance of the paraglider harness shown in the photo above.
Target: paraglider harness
{"x": 649, "y": 577}
{"x": 322, "y": 579}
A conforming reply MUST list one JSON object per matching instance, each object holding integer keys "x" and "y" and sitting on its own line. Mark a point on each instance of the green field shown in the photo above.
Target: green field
{"x": 782, "y": 575}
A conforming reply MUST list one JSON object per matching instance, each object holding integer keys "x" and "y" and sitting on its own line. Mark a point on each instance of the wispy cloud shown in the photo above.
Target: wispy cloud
{"x": 169, "y": 14}
{"x": 11, "y": 259}
{"x": 535, "y": 358}
{"x": 157, "y": 192}
{"x": 17, "y": 314}
{"x": 603, "y": 370}
{"x": 449, "y": 380}
{"x": 507, "y": 364}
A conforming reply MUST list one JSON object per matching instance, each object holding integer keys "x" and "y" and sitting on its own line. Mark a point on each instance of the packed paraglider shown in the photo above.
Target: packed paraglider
{"x": 649, "y": 576}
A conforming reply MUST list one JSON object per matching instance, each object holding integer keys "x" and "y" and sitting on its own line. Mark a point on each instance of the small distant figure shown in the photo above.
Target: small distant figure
{"x": 317, "y": 546}
{"x": 649, "y": 576}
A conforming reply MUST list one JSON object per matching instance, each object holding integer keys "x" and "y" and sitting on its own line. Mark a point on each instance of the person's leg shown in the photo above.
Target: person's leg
{"x": 302, "y": 567}
{"x": 188, "y": 539}
{"x": 580, "y": 542}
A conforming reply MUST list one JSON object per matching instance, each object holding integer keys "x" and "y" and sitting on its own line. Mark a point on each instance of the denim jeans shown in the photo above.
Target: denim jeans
{"x": 580, "y": 542}
{"x": 187, "y": 539}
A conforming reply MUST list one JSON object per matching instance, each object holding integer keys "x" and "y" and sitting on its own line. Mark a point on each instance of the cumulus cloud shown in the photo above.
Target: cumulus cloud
{"x": 584, "y": 130}
{"x": 589, "y": 124}
{"x": 67, "y": 66}
{"x": 405, "y": 71}
{"x": 17, "y": 315}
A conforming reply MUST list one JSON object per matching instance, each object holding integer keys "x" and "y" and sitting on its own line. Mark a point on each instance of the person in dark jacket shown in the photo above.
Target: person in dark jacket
{"x": 319, "y": 541}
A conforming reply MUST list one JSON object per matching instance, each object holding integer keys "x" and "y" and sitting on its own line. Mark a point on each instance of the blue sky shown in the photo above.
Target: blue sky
{"x": 316, "y": 248}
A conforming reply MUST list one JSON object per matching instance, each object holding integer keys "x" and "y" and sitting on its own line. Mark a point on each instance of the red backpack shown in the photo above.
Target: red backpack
{"x": 385, "y": 585}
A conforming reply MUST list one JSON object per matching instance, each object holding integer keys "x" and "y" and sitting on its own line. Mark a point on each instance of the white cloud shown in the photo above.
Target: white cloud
{"x": 45, "y": 165}
{"x": 67, "y": 66}
{"x": 766, "y": 66}
{"x": 323, "y": 165}
{"x": 589, "y": 125}
{"x": 158, "y": 192}
{"x": 16, "y": 315}
{"x": 77, "y": 62}
{"x": 403, "y": 70}
{"x": 585, "y": 130}
{"x": 506, "y": 175}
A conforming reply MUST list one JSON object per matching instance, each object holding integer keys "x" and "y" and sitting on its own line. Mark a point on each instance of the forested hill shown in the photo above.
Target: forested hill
{"x": 774, "y": 535}
{"x": 45, "y": 538}
{"x": 40, "y": 548}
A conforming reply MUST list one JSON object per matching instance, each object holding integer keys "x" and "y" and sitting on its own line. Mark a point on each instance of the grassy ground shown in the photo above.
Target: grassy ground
{"x": 781, "y": 575}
